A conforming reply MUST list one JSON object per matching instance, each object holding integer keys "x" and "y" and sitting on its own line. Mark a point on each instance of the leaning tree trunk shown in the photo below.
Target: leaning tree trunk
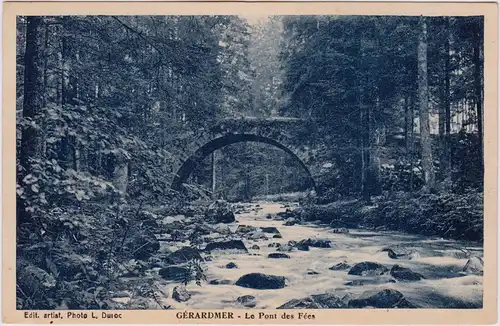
{"x": 31, "y": 144}
{"x": 423, "y": 97}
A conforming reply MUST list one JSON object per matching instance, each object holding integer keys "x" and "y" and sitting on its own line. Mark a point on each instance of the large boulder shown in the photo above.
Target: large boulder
{"x": 316, "y": 301}
{"x": 175, "y": 273}
{"x": 474, "y": 266}
{"x": 220, "y": 212}
{"x": 226, "y": 245}
{"x": 278, "y": 255}
{"x": 248, "y": 301}
{"x": 301, "y": 246}
{"x": 340, "y": 266}
{"x": 222, "y": 229}
{"x": 318, "y": 243}
{"x": 368, "y": 268}
{"x": 340, "y": 230}
{"x": 180, "y": 294}
{"x": 142, "y": 244}
{"x": 370, "y": 281}
{"x": 270, "y": 229}
{"x": 184, "y": 255}
{"x": 399, "y": 252}
{"x": 256, "y": 235}
{"x": 285, "y": 248}
{"x": 287, "y": 214}
{"x": 387, "y": 298}
{"x": 202, "y": 229}
{"x": 220, "y": 282}
{"x": 245, "y": 228}
{"x": 261, "y": 281}
{"x": 405, "y": 274}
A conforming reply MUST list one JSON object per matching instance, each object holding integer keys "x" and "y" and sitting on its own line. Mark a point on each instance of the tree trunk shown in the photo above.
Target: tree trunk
{"x": 32, "y": 104}
{"x": 68, "y": 148}
{"x": 364, "y": 191}
{"x": 444, "y": 108}
{"x": 45, "y": 61}
{"x": 375, "y": 137}
{"x": 407, "y": 130}
{"x": 423, "y": 97}
{"x": 246, "y": 189}
{"x": 442, "y": 132}
{"x": 214, "y": 176}
{"x": 447, "y": 104}
{"x": 364, "y": 132}
{"x": 69, "y": 93}
{"x": 411, "y": 135}
{"x": 478, "y": 36}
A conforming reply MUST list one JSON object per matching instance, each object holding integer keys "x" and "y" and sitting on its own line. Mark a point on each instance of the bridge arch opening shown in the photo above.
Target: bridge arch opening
{"x": 204, "y": 151}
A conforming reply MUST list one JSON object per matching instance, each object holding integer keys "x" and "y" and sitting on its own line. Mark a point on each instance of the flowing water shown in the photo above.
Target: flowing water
{"x": 307, "y": 272}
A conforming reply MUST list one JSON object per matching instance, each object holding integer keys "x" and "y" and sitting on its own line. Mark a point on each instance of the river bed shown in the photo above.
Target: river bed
{"x": 307, "y": 272}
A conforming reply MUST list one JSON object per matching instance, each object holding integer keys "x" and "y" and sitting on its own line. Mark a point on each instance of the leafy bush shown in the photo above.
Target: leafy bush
{"x": 404, "y": 175}
{"x": 449, "y": 215}
{"x": 341, "y": 213}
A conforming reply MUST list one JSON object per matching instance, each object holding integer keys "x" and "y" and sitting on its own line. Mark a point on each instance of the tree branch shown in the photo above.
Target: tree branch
{"x": 138, "y": 33}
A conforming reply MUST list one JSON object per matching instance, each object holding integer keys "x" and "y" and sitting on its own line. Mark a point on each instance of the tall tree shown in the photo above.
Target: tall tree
{"x": 31, "y": 142}
{"x": 423, "y": 97}
{"x": 446, "y": 158}
{"x": 478, "y": 84}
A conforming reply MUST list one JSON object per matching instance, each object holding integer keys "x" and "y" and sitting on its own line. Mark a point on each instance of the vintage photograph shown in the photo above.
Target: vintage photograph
{"x": 173, "y": 162}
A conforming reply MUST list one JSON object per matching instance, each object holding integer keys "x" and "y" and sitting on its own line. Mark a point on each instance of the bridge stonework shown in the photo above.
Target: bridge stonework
{"x": 296, "y": 137}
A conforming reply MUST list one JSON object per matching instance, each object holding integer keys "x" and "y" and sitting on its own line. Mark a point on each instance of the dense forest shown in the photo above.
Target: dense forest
{"x": 106, "y": 104}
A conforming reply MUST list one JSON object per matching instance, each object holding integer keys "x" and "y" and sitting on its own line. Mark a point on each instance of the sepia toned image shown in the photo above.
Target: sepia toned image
{"x": 274, "y": 164}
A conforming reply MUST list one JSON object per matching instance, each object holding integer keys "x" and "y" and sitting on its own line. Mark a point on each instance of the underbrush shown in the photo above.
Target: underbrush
{"x": 77, "y": 257}
{"x": 79, "y": 236}
{"x": 72, "y": 259}
{"x": 448, "y": 215}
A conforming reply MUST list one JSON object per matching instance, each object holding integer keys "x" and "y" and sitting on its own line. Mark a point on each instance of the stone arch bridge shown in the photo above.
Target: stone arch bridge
{"x": 297, "y": 137}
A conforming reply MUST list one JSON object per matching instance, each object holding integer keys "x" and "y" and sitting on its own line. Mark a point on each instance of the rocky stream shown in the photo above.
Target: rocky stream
{"x": 265, "y": 260}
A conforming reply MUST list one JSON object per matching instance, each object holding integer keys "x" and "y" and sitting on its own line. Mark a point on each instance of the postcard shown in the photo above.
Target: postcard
{"x": 250, "y": 163}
